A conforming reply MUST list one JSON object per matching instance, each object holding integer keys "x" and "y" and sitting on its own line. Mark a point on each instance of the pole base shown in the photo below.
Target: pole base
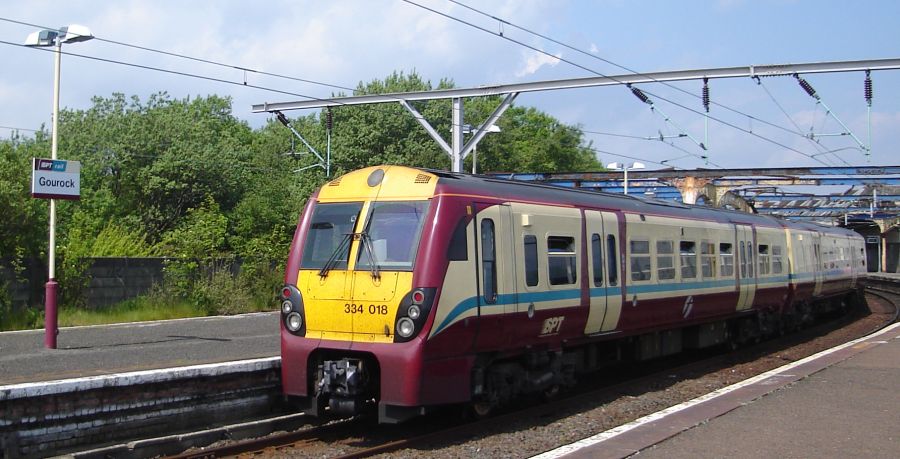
{"x": 50, "y": 317}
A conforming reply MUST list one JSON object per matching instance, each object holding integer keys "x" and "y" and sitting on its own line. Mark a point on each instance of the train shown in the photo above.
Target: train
{"x": 409, "y": 289}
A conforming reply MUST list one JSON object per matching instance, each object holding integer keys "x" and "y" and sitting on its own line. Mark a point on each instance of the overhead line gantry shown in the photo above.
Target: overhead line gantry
{"x": 457, "y": 149}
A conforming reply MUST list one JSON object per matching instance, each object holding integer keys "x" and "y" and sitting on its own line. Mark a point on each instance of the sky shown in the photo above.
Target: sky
{"x": 345, "y": 42}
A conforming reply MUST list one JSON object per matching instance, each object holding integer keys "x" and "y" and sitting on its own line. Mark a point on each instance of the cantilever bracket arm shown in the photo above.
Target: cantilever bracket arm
{"x": 498, "y": 112}
{"x": 283, "y": 120}
{"x": 425, "y": 124}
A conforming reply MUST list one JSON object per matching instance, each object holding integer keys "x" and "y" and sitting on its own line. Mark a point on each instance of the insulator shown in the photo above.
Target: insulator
{"x": 706, "y": 94}
{"x": 282, "y": 119}
{"x": 328, "y": 120}
{"x": 868, "y": 88}
{"x": 640, "y": 95}
{"x": 806, "y": 87}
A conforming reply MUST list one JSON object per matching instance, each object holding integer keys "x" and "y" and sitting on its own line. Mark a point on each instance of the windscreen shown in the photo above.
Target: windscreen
{"x": 393, "y": 232}
{"x": 331, "y": 224}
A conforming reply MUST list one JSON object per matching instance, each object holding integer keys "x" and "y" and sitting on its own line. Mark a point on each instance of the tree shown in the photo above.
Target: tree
{"x": 23, "y": 231}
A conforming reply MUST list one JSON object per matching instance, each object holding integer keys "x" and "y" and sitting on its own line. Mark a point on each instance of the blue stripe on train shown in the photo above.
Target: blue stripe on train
{"x": 571, "y": 294}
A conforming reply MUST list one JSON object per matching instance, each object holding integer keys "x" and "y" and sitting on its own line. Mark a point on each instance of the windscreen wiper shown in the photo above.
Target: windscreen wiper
{"x": 370, "y": 253}
{"x": 332, "y": 260}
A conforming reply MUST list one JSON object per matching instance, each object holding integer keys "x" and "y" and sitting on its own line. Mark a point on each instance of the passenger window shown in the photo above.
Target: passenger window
{"x": 531, "y": 261}
{"x": 688, "y": 253}
{"x": 597, "y": 259}
{"x": 727, "y": 257}
{"x": 763, "y": 259}
{"x": 708, "y": 259}
{"x": 665, "y": 260}
{"x": 640, "y": 260}
{"x": 488, "y": 261}
{"x": 611, "y": 266}
{"x": 561, "y": 260}
{"x": 749, "y": 259}
{"x": 777, "y": 266}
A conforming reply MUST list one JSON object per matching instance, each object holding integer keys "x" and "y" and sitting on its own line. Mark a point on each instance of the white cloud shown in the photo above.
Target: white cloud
{"x": 534, "y": 61}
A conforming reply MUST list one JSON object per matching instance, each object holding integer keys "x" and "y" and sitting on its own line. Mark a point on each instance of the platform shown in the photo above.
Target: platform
{"x": 888, "y": 276}
{"x": 839, "y": 403}
{"x": 120, "y": 348}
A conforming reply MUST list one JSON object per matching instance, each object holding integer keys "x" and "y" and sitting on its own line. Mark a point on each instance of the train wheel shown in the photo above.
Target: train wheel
{"x": 481, "y": 409}
{"x": 551, "y": 392}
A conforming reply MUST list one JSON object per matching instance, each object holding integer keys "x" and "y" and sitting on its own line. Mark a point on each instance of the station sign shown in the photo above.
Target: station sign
{"x": 55, "y": 179}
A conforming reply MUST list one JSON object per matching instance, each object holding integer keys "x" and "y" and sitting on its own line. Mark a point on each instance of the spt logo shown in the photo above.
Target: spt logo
{"x": 552, "y": 325}
{"x": 50, "y": 165}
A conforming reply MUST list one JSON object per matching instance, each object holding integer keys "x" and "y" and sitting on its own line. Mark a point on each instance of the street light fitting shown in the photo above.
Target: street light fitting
{"x": 625, "y": 168}
{"x": 41, "y": 38}
{"x": 73, "y": 33}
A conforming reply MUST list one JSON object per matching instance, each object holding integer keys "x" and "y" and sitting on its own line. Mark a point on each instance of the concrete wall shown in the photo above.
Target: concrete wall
{"x": 112, "y": 279}
{"x": 28, "y": 285}
{"x": 56, "y": 417}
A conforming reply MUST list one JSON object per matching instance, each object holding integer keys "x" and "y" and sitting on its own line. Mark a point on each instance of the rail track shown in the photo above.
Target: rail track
{"x": 342, "y": 438}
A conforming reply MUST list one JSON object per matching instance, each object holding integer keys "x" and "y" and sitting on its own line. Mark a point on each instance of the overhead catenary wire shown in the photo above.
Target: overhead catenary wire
{"x": 659, "y": 138}
{"x": 634, "y": 158}
{"x": 812, "y": 93}
{"x": 311, "y": 81}
{"x": 196, "y": 59}
{"x": 500, "y": 34}
{"x": 627, "y": 69}
{"x": 533, "y": 48}
{"x": 243, "y": 83}
{"x": 822, "y": 149}
{"x": 162, "y": 70}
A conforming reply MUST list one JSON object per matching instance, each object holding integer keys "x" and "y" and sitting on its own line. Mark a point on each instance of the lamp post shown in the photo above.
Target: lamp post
{"x": 69, "y": 34}
{"x": 625, "y": 168}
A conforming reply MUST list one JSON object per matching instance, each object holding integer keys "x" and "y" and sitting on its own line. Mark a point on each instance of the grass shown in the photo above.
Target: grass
{"x": 136, "y": 310}
{"x": 218, "y": 294}
{"x": 140, "y": 309}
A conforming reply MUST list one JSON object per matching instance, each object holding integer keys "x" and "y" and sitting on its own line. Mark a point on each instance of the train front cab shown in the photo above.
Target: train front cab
{"x": 352, "y": 315}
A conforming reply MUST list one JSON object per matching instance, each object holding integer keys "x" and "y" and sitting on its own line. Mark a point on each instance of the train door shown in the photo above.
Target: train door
{"x": 746, "y": 265}
{"x": 603, "y": 277}
{"x": 818, "y": 264}
{"x": 494, "y": 274}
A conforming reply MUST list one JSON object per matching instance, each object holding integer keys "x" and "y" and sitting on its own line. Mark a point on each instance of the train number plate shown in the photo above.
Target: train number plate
{"x": 375, "y": 309}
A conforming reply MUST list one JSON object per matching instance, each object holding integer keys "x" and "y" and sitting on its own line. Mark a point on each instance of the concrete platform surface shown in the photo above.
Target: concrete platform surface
{"x": 851, "y": 409}
{"x": 891, "y": 276}
{"x": 119, "y": 348}
{"x": 840, "y": 403}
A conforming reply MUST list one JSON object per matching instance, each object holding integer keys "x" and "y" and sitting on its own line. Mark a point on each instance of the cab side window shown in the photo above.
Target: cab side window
{"x": 488, "y": 261}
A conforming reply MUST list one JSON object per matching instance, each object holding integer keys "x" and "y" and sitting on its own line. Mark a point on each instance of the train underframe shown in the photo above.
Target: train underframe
{"x": 498, "y": 381}
{"x": 346, "y": 384}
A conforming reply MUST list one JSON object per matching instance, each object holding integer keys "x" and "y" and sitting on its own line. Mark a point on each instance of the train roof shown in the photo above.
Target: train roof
{"x": 389, "y": 182}
{"x": 552, "y": 194}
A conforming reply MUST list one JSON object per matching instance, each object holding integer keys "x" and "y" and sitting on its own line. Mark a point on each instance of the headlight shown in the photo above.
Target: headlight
{"x": 405, "y": 327}
{"x": 294, "y": 321}
{"x": 287, "y": 306}
{"x": 413, "y": 312}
